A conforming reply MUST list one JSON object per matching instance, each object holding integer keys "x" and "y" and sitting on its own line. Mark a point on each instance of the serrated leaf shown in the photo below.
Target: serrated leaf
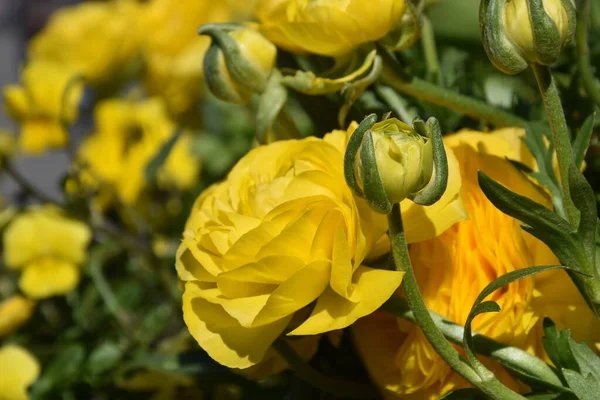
{"x": 541, "y": 222}
{"x": 585, "y": 201}
{"x": 582, "y": 140}
{"x": 587, "y": 360}
{"x": 586, "y": 388}
{"x": 557, "y": 346}
{"x": 480, "y": 306}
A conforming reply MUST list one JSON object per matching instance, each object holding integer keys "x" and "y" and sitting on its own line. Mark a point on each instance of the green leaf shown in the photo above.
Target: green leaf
{"x": 582, "y": 140}
{"x": 480, "y": 306}
{"x": 557, "y": 346}
{"x": 464, "y": 394}
{"x": 586, "y": 388}
{"x": 553, "y": 396}
{"x": 160, "y": 157}
{"x": 585, "y": 201}
{"x": 104, "y": 357}
{"x": 61, "y": 371}
{"x": 587, "y": 360}
{"x": 542, "y": 223}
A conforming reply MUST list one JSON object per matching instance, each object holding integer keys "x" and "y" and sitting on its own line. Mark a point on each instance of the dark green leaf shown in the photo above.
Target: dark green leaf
{"x": 464, "y": 394}
{"x": 585, "y": 201}
{"x": 480, "y": 306}
{"x": 586, "y": 388}
{"x": 61, "y": 371}
{"x": 103, "y": 358}
{"x": 557, "y": 346}
{"x": 582, "y": 140}
{"x": 160, "y": 157}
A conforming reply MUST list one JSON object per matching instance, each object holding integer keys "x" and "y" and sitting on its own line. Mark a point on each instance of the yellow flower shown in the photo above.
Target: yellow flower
{"x": 327, "y": 27}
{"x": 39, "y": 105}
{"x": 404, "y": 159}
{"x": 173, "y": 50}
{"x": 281, "y": 233}
{"x": 128, "y": 136}
{"x": 49, "y": 248}
{"x": 14, "y": 312}
{"x": 453, "y": 268}
{"x": 18, "y": 370}
{"x": 97, "y": 40}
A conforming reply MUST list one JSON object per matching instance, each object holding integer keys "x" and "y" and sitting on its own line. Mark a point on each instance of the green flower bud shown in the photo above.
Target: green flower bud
{"x": 238, "y": 63}
{"x": 516, "y": 33}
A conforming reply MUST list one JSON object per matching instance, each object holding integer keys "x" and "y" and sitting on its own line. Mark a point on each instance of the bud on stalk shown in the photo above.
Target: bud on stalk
{"x": 238, "y": 63}
{"x": 516, "y": 33}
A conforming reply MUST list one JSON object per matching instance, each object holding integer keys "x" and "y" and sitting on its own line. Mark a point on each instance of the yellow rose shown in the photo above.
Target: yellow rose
{"x": 327, "y": 27}
{"x": 14, "y": 312}
{"x": 173, "y": 50}
{"x": 97, "y": 40}
{"x": 453, "y": 268}
{"x": 39, "y": 104}
{"x": 18, "y": 370}
{"x": 128, "y": 136}
{"x": 283, "y": 234}
{"x": 49, "y": 248}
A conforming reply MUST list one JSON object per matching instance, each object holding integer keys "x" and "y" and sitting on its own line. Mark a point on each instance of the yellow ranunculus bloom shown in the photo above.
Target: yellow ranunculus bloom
{"x": 173, "y": 50}
{"x": 97, "y": 40}
{"x": 49, "y": 248}
{"x": 128, "y": 136}
{"x": 327, "y": 27}
{"x": 14, "y": 312}
{"x": 453, "y": 268}
{"x": 18, "y": 370}
{"x": 281, "y": 233}
{"x": 39, "y": 104}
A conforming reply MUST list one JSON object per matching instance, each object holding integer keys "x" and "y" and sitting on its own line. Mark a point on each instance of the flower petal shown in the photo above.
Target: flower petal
{"x": 49, "y": 277}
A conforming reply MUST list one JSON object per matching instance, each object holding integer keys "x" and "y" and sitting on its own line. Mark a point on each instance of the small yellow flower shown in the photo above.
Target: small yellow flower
{"x": 49, "y": 248}
{"x": 172, "y": 49}
{"x": 404, "y": 159}
{"x": 14, "y": 312}
{"x": 327, "y": 27}
{"x": 97, "y": 40}
{"x": 18, "y": 370}
{"x": 39, "y": 104}
{"x": 128, "y": 136}
{"x": 283, "y": 231}
{"x": 453, "y": 268}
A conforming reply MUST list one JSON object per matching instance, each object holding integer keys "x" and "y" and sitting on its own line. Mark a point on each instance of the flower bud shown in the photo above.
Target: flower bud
{"x": 516, "y": 33}
{"x": 404, "y": 159}
{"x": 238, "y": 63}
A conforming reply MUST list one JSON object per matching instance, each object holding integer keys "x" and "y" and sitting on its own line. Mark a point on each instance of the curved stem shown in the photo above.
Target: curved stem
{"x": 430, "y": 51}
{"x": 392, "y": 75}
{"x": 583, "y": 52}
{"x": 510, "y": 357}
{"x": 491, "y": 387}
{"x": 560, "y": 134}
{"x": 334, "y": 386}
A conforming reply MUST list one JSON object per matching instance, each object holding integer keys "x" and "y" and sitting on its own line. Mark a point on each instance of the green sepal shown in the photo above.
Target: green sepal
{"x": 270, "y": 104}
{"x": 217, "y": 82}
{"x": 546, "y": 37}
{"x": 500, "y": 50}
{"x": 406, "y": 32}
{"x": 374, "y": 191}
{"x": 351, "y": 151}
{"x": 241, "y": 70}
{"x": 437, "y": 186}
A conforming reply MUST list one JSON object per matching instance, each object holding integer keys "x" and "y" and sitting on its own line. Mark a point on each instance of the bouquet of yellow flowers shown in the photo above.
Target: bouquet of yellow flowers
{"x": 305, "y": 199}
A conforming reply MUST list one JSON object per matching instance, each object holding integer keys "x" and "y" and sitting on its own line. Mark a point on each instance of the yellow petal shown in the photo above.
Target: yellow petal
{"x": 16, "y": 102}
{"x": 49, "y": 277}
{"x": 14, "y": 312}
{"x": 39, "y": 135}
{"x": 335, "y": 312}
{"x": 18, "y": 370}
{"x": 221, "y": 336}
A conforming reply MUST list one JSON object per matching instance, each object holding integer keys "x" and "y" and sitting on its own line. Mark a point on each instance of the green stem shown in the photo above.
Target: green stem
{"x": 430, "y": 51}
{"x": 583, "y": 52}
{"x": 333, "y": 386}
{"x": 395, "y": 102}
{"x": 512, "y": 358}
{"x": 490, "y": 386}
{"x": 392, "y": 75}
{"x": 97, "y": 257}
{"x": 560, "y": 134}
